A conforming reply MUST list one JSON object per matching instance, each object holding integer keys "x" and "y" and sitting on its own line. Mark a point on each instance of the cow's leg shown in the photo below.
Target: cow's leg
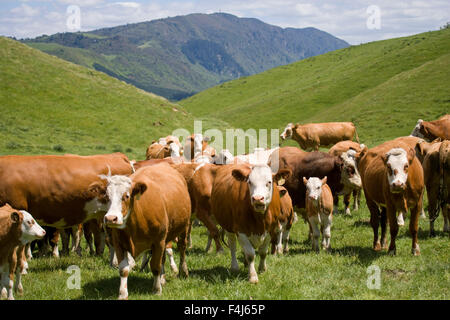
{"x": 383, "y": 221}
{"x": 326, "y": 230}
{"x": 374, "y": 222}
{"x": 393, "y": 226}
{"x": 414, "y": 227}
{"x": 206, "y": 219}
{"x": 4, "y": 280}
{"x": 262, "y": 251}
{"x": 356, "y": 199}
{"x": 76, "y": 239}
{"x": 335, "y": 204}
{"x": 65, "y": 239}
{"x": 155, "y": 265}
{"x": 285, "y": 240}
{"x": 249, "y": 253}
{"x": 169, "y": 252}
{"x": 232, "y": 245}
{"x": 445, "y": 214}
{"x": 182, "y": 245}
{"x": 29, "y": 253}
{"x": 88, "y": 235}
{"x": 124, "y": 269}
{"x": 21, "y": 260}
{"x": 145, "y": 260}
{"x": 189, "y": 238}
{"x": 347, "y": 203}
{"x": 99, "y": 237}
{"x": 12, "y": 260}
{"x": 314, "y": 222}
{"x": 433, "y": 205}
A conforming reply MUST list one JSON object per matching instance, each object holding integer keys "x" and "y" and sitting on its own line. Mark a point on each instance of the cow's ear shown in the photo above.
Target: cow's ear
{"x": 420, "y": 147}
{"x": 138, "y": 189}
{"x": 154, "y": 141}
{"x": 96, "y": 189}
{"x": 282, "y": 175}
{"x": 411, "y": 154}
{"x": 324, "y": 180}
{"x": 305, "y": 181}
{"x": 241, "y": 174}
{"x": 362, "y": 153}
{"x": 424, "y": 130}
{"x": 15, "y": 217}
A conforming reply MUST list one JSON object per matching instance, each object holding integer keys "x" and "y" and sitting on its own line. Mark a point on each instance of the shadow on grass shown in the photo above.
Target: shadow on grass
{"x": 219, "y": 274}
{"x": 108, "y": 288}
{"x": 362, "y": 223}
{"x": 365, "y": 255}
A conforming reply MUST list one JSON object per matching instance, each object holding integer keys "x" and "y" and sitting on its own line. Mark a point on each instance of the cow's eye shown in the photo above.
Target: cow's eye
{"x": 406, "y": 167}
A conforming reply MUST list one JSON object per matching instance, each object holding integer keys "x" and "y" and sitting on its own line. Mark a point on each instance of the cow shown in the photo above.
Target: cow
{"x": 436, "y": 168}
{"x": 431, "y": 130}
{"x": 314, "y": 164}
{"x": 157, "y": 150}
{"x": 147, "y": 210}
{"x": 319, "y": 209}
{"x": 95, "y": 235}
{"x": 280, "y": 237}
{"x": 59, "y": 191}
{"x": 246, "y": 203}
{"x": 347, "y": 150}
{"x": 196, "y": 145}
{"x": 393, "y": 181}
{"x": 260, "y": 155}
{"x": 200, "y": 178}
{"x": 313, "y": 135}
{"x": 224, "y": 156}
{"x": 17, "y": 228}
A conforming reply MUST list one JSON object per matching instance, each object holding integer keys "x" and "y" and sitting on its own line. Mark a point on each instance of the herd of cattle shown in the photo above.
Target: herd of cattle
{"x": 139, "y": 208}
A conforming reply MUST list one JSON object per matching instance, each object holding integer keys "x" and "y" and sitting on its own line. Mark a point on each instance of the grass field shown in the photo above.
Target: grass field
{"x": 301, "y": 274}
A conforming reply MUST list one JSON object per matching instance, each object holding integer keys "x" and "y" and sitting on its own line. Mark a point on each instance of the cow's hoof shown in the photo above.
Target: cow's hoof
{"x": 392, "y": 252}
{"x": 415, "y": 251}
{"x": 220, "y": 251}
{"x": 253, "y": 279}
{"x": 377, "y": 247}
{"x": 157, "y": 291}
{"x": 123, "y": 298}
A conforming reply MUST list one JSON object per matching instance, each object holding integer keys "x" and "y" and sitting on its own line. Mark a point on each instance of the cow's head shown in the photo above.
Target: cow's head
{"x": 314, "y": 188}
{"x": 31, "y": 230}
{"x": 416, "y": 131}
{"x": 349, "y": 170}
{"x": 397, "y": 162}
{"x": 260, "y": 180}
{"x": 223, "y": 157}
{"x": 119, "y": 192}
{"x": 287, "y": 133}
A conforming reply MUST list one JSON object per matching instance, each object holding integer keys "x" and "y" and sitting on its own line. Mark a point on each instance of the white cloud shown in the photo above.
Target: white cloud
{"x": 25, "y": 10}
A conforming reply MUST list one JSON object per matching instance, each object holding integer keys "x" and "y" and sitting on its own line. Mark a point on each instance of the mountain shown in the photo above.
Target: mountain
{"x": 384, "y": 87}
{"x": 177, "y": 57}
{"x": 51, "y": 106}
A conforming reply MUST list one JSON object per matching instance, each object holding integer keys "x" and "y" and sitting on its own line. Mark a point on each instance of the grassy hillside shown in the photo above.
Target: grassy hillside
{"x": 179, "y": 56}
{"x": 383, "y": 86}
{"x": 50, "y": 106}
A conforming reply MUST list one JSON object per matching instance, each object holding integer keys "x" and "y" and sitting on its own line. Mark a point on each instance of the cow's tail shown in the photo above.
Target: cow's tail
{"x": 222, "y": 237}
{"x": 356, "y": 135}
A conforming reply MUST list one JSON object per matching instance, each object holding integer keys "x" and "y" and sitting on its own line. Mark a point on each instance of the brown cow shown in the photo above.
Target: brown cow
{"x": 430, "y": 130}
{"x": 319, "y": 209}
{"x": 196, "y": 145}
{"x": 17, "y": 228}
{"x": 392, "y": 179}
{"x": 246, "y": 203}
{"x": 436, "y": 168}
{"x": 200, "y": 178}
{"x": 313, "y": 135}
{"x": 280, "y": 238}
{"x": 148, "y": 209}
{"x": 58, "y": 190}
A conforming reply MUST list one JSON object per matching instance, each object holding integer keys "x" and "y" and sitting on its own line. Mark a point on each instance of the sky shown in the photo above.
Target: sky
{"x": 355, "y": 21}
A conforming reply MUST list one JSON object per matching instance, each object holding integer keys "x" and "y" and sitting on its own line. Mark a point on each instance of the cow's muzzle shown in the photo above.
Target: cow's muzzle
{"x": 398, "y": 187}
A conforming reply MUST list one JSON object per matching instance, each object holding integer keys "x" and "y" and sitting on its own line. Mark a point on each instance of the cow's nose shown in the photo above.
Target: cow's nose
{"x": 258, "y": 198}
{"x": 43, "y": 232}
{"x": 110, "y": 219}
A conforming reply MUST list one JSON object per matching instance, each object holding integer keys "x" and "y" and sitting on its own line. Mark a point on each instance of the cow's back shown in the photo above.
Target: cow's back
{"x": 331, "y": 132}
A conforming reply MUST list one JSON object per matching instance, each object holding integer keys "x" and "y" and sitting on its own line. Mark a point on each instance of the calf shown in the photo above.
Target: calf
{"x": 17, "y": 228}
{"x": 393, "y": 180}
{"x": 246, "y": 204}
{"x": 148, "y": 209}
{"x": 319, "y": 209}
{"x": 436, "y": 168}
{"x": 280, "y": 236}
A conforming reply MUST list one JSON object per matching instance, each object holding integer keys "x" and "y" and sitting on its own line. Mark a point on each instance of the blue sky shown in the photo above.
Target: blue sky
{"x": 346, "y": 19}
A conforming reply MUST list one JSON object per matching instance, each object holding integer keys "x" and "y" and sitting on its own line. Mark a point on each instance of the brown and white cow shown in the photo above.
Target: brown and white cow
{"x": 280, "y": 236}
{"x": 159, "y": 150}
{"x": 436, "y": 168}
{"x": 147, "y": 210}
{"x": 319, "y": 209}
{"x": 17, "y": 228}
{"x": 393, "y": 181}
{"x": 431, "y": 130}
{"x": 246, "y": 203}
{"x": 196, "y": 146}
{"x": 59, "y": 191}
{"x": 313, "y": 135}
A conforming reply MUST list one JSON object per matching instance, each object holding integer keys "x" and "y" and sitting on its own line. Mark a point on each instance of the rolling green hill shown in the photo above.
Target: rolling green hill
{"x": 383, "y": 87}
{"x": 179, "y": 56}
{"x": 50, "y": 106}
